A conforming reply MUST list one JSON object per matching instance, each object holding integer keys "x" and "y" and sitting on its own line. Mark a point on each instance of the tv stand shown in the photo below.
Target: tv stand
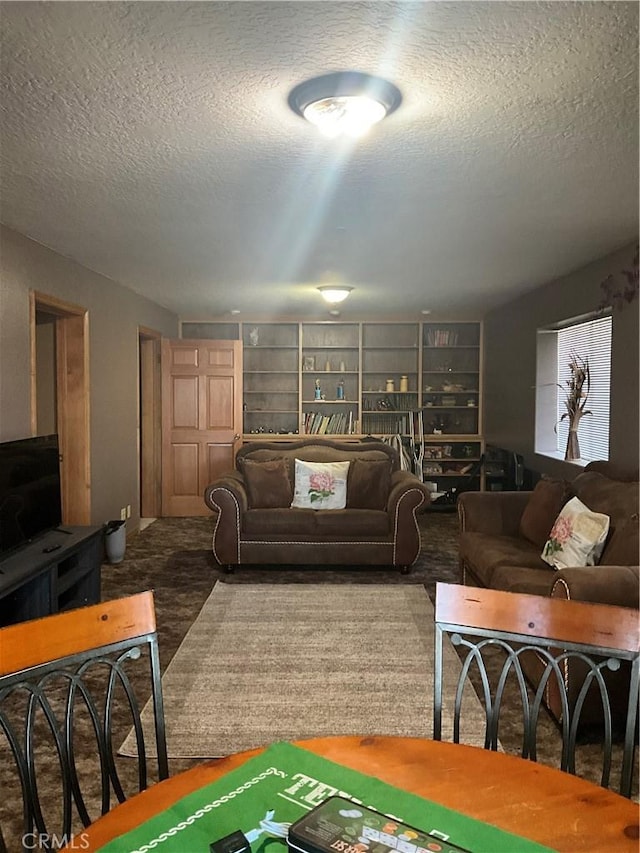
{"x": 57, "y": 571}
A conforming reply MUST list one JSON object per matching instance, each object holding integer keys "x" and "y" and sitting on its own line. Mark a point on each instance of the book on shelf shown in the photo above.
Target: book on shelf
{"x": 442, "y": 338}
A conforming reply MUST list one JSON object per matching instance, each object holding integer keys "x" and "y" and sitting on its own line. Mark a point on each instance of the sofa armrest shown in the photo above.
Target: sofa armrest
{"x": 407, "y": 497}
{"x": 618, "y": 585}
{"x": 497, "y": 513}
{"x": 227, "y": 497}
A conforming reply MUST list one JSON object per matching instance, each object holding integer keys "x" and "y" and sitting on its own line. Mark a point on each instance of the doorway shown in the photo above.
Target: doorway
{"x": 60, "y": 395}
{"x": 150, "y": 424}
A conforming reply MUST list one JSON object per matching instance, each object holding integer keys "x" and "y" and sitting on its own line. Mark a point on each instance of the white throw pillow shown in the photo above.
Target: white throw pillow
{"x": 577, "y": 537}
{"x": 320, "y": 485}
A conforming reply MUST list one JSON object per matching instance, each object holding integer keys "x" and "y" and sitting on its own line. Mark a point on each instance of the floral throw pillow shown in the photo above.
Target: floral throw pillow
{"x": 320, "y": 485}
{"x": 577, "y": 537}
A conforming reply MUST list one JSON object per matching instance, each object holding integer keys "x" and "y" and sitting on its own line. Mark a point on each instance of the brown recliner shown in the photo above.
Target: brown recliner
{"x": 382, "y": 532}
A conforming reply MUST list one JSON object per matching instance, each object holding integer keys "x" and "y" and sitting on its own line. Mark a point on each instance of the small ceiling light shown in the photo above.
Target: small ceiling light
{"x": 345, "y": 103}
{"x": 334, "y": 293}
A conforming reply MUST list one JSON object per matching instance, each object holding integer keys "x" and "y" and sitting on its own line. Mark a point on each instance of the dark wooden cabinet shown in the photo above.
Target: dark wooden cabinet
{"x": 58, "y": 571}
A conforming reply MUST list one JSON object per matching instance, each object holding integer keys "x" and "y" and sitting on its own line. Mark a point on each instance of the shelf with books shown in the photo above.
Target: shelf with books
{"x": 323, "y": 421}
{"x": 451, "y": 377}
{"x": 386, "y": 423}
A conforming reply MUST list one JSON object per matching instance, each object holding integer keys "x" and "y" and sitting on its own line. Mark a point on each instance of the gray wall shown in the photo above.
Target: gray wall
{"x": 510, "y": 364}
{"x": 114, "y": 316}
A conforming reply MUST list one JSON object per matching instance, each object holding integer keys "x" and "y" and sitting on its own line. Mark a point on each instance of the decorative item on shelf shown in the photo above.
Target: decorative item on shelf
{"x": 254, "y": 335}
{"x": 439, "y": 425}
{"x": 577, "y": 392}
{"x": 467, "y": 450}
{"x": 384, "y": 405}
{"x": 327, "y": 366}
{"x": 448, "y": 400}
{"x": 308, "y": 362}
{"x": 340, "y": 390}
{"x": 342, "y": 367}
{"x": 433, "y": 468}
{"x": 317, "y": 394}
{"x": 390, "y": 386}
{"x": 471, "y": 403}
{"x": 404, "y": 384}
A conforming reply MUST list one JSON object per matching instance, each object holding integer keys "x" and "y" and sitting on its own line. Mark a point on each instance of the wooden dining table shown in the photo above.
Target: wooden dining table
{"x": 529, "y": 799}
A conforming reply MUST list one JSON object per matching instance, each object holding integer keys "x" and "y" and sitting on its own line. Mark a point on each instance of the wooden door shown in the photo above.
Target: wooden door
{"x": 72, "y": 401}
{"x": 150, "y": 423}
{"x": 201, "y": 419}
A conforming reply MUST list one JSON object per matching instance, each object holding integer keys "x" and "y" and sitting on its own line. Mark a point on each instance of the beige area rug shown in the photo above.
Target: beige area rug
{"x": 265, "y": 662}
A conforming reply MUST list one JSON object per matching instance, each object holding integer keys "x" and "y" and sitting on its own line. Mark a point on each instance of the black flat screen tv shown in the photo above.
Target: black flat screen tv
{"x": 30, "y": 502}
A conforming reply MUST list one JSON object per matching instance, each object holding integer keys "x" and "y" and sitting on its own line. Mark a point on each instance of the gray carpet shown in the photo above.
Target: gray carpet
{"x": 263, "y": 663}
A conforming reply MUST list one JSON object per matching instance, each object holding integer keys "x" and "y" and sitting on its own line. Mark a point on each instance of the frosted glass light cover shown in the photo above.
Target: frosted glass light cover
{"x": 335, "y": 294}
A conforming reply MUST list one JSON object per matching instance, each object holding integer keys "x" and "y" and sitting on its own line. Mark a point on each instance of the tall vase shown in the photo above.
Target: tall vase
{"x": 573, "y": 447}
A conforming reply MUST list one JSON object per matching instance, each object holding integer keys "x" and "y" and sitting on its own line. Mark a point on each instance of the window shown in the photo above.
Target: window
{"x": 591, "y": 341}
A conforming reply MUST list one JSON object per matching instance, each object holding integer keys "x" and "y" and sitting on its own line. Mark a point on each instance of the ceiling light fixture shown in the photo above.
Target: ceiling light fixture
{"x": 334, "y": 293}
{"x": 344, "y": 103}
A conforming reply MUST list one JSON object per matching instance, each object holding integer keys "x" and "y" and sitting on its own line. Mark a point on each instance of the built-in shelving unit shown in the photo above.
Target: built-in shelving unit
{"x": 390, "y": 376}
{"x": 330, "y": 378}
{"x": 270, "y": 377}
{"x": 365, "y": 378}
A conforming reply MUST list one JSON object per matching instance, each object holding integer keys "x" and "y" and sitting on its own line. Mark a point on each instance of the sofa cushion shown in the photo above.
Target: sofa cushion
{"x": 484, "y": 552}
{"x": 618, "y": 500}
{"x": 347, "y": 523}
{"x": 320, "y": 485}
{"x": 268, "y": 484}
{"x": 261, "y": 522}
{"x": 522, "y": 579}
{"x": 368, "y": 484}
{"x": 542, "y": 509}
{"x": 577, "y": 538}
{"x": 296, "y": 524}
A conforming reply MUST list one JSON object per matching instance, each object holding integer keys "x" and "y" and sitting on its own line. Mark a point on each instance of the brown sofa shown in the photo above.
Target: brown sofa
{"x": 503, "y": 534}
{"x": 256, "y": 524}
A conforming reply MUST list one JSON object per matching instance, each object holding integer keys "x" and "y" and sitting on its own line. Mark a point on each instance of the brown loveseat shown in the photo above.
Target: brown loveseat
{"x": 503, "y": 534}
{"x": 256, "y": 524}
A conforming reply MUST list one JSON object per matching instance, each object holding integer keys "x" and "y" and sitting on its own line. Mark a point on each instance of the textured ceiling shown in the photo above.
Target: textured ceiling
{"x": 153, "y": 143}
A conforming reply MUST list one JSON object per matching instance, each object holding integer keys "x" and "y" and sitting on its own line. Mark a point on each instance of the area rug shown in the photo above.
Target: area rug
{"x": 264, "y": 663}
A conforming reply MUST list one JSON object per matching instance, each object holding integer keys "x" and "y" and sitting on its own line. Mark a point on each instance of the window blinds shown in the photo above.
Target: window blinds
{"x": 592, "y": 341}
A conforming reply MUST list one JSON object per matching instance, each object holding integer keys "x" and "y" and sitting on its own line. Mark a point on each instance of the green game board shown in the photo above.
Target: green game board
{"x": 269, "y": 792}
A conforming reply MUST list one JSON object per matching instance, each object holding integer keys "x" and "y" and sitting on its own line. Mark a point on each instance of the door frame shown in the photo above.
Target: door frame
{"x": 72, "y": 400}
{"x": 150, "y": 422}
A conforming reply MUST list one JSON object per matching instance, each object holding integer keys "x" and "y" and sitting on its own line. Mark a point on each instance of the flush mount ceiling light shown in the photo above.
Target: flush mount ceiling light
{"x": 334, "y": 293}
{"x": 345, "y": 103}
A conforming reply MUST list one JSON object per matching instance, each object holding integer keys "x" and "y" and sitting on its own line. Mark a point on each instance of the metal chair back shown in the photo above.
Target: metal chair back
{"x": 69, "y": 676}
{"x": 604, "y": 638}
